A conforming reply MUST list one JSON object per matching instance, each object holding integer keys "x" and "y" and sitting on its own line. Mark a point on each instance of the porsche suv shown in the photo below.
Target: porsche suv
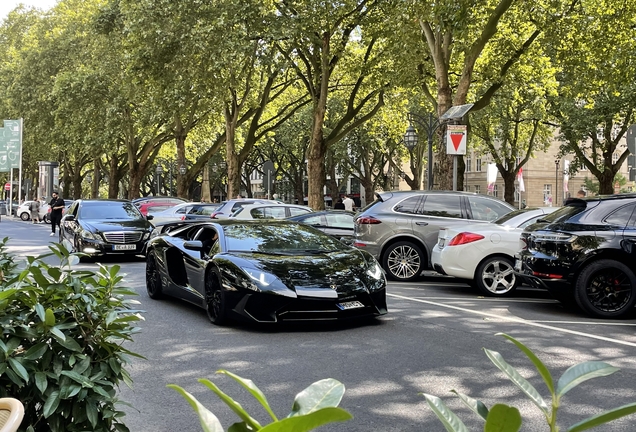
{"x": 585, "y": 253}
{"x": 400, "y": 228}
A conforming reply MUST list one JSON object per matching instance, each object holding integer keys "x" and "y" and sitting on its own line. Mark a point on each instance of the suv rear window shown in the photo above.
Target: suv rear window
{"x": 564, "y": 213}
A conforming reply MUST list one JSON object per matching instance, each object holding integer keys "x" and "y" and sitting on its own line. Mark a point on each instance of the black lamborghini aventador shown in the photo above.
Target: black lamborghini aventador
{"x": 263, "y": 271}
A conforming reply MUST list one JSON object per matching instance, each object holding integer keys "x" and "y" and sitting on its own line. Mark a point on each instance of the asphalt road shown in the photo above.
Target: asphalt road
{"x": 431, "y": 341}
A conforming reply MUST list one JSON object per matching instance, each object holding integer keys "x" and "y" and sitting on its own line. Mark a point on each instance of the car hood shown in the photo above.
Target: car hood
{"x": 117, "y": 225}
{"x": 342, "y": 271}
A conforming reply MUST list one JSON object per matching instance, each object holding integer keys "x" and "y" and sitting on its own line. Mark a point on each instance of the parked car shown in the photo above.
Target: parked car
{"x": 24, "y": 213}
{"x": 229, "y": 207}
{"x": 100, "y": 227}
{"x": 336, "y": 223}
{"x": 14, "y": 206}
{"x": 400, "y": 228}
{"x": 155, "y": 206}
{"x": 201, "y": 211}
{"x": 47, "y": 216}
{"x": 584, "y": 253}
{"x": 157, "y": 198}
{"x": 484, "y": 253}
{"x": 264, "y": 271}
{"x": 175, "y": 213}
{"x": 269, "y": 211}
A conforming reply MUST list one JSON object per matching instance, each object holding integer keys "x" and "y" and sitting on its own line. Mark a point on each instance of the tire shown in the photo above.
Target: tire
{"x": 403, "y": 261}
{"x": 154, "y": 287}
{"x": 47, "y": 219}
{"x": 606, "y": 289}
{"x": 25, "y": 216}
{"x": 215, "y": 305}
{"x": 495, "y": 277}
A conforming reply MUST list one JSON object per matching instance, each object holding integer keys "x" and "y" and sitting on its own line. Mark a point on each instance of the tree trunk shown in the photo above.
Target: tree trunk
{"x": 233, "y": 168}
{"x": 182, "y": 186}
{"x": 205, "y": 185}
{"x": 332, "y": 185}
{"x": 97, "y": 176}
{"x": 134, "y": 184}
{"x": 299, "y": 193}
{"x": 369, "y": 193}
{"x": 315, "y": 158}
{"x": 113, "y": 178}
{"x": 77, "y": 185}
{"x": 509, "y": 186}
{"x": 606, "y": 182}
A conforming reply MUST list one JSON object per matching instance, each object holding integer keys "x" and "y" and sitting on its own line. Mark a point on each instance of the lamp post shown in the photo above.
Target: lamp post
{"x": 556, "y": 183}
{"x": 159, "y": 171}
{"x": 430, "y": 124}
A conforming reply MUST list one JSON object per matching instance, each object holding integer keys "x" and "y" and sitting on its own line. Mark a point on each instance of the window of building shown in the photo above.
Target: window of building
{"x": 614, "y": 157}
{"x": 495, "y": 190}
{"x": 583, "y": 167}
{"x": 547, "y": 194}
{"x": 477, "y": 189}
{"x": 469, "y": 164}
{"x": 478, "y": 164}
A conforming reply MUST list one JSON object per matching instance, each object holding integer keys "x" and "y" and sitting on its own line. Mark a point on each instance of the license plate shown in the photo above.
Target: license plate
{"x": 124, "y": 247}
{"x": 349, "y": 305}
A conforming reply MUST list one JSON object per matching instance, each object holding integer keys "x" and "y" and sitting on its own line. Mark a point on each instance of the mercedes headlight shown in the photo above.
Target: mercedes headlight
{"x": 375, "y": 271}
{"x": 87, "y": 235}
{"x": 260, "y": 277}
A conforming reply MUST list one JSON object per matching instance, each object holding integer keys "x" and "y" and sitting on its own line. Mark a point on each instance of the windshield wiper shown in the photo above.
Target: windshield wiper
{"x": 317, "y": 251}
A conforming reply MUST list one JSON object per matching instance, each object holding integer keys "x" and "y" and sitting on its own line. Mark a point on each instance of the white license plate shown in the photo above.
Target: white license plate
{"x": 349, "y": 305}
{"x": 124, "y": 247}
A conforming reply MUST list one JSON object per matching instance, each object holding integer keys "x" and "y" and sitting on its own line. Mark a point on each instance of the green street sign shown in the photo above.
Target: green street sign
{"x": 10, "y": 145}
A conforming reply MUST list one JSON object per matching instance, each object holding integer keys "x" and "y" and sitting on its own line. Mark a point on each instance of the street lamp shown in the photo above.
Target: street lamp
{"x": 429, "y": 123}
{"x": 556, "y": 182}
{"x": 159, "y": 171}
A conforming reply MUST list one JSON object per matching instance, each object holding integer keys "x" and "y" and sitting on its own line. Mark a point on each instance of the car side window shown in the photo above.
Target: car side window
{"x": 313, "y": 220}
{"x": 409, "y": 205}
{"x": 340, "y": 221}
{"x": 183, "y": 210}
{"x": 442, "y": 205}
{"x": 277, "y": 212}
{"x": 620, "y": 216}
{"x": 295, "y": 211}
{"x": 487, "y": 209}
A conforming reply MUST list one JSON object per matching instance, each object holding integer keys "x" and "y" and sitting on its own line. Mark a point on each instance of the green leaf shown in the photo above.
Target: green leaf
{"x": 234, "y": 406}
{"x": 209, "y": 422}
{"x": 39, "y": 309}
{"x": 91, "y": 413}
{"x": 41, "y": 382}
{"x": 239, "y": 427}
{"x": 582, "y": 372}
{"x": 518, "y": 380}
{"x": 254, "y": 391}
{"x": 543, "y": 370}
{"x": 503, "y": 418}
{"x": 51, "y": 404}
{"x": 4, "y": 294}
{"x": 50, "y": 318}
{"x": 475, "y": 405}
{"x": 604, "y": 417}
{"x": 321, "y": 394}
{"x": 78, "y": 378}
{"x": 451, "y": 422}
{"x": 307, "y": 422}
{"x": 18, "y": 368}
{"x": 58, "y": 334}
{"x": 70, "y": 344}
{"x": 36, "y": 351}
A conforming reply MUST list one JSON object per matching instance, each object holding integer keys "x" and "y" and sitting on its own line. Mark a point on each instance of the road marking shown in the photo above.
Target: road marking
{"x": 516, "y": 320}
{"x": 615, "y": 324}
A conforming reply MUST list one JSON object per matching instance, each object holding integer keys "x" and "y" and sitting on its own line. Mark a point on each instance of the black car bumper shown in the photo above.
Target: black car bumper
{"x": 543, "y": 273}
{"x": 100, "y": 248}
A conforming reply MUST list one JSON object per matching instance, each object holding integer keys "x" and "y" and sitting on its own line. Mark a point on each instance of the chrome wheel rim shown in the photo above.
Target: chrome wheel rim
{"x": 609, "y": 290}
{"x": 498, "y": 277}
{"x": 404, "y": 262}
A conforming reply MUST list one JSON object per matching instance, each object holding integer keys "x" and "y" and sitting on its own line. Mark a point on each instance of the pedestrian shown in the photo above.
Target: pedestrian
{"x": 339, "y": 205}
{"x": 34, "y": 208}
{"x": 239, "y": 196}
{"x": 580, "y": 194}
{"x": 275, "y": 196}
{"x": 57, "y": 206}
{"x": 349, "y": 204}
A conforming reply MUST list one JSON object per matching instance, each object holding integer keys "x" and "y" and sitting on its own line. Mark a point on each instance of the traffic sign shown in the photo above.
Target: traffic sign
{"x": 631, "y": 139}
{"x": 7, "y": 186}
{"x": 456, "y": 139}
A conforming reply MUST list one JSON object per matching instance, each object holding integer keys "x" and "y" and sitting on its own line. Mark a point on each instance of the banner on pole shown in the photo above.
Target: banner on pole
{"x": 522, "y": 186}
{"x": 456, "y": 139}
{"x": 10, "y": 145}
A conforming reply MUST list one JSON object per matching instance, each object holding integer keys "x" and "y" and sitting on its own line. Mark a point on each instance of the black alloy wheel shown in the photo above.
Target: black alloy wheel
{"x": 403, "y": 261}
{"x": 495, "y": 277}
{"x": 606, "y": 289}
{"x": 215, "y": 299}
{"x": 153, "y": 278}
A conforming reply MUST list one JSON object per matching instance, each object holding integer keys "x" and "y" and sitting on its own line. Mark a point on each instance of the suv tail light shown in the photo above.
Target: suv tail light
{"x": 367, "y": 220}
{"x": 464, "y": 238}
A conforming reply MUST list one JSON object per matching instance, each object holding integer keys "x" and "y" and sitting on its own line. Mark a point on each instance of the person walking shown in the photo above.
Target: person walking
{"x": 339, "y": 205}
{"x": 349, "y": 204}
{"x": 34, "y": 209}
{"x": 57, "y": 205}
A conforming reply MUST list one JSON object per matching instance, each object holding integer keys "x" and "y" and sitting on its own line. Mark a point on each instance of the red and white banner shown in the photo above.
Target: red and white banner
{"x": 522, "y": 187}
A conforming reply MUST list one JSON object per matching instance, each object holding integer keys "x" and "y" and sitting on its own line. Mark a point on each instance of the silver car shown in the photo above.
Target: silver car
{"x": 400, "y": 228}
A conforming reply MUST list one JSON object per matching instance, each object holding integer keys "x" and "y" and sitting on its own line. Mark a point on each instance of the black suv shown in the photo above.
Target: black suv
{"x": 585, "y": 251}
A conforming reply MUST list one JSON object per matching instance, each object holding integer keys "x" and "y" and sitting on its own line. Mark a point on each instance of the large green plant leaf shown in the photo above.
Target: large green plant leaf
{"x": 51, "y": 404}
{"x": 451, "y": 422}
{"x": 321, "y": 394}
{"x": 307, "y": 422}
{"x": 209, "y": 422}
{"x": 543, "y": 370}
{"x": 604, "y": 417}
{"x": 582, "y": 372}
{"x": 17, "y": 367}
{"x": 239, "y": 427}
{"x": 254, "y": 391}
{"x": 234, "y": 406}
{"x": 503, "y": 418}
{"x": 36, "y": 351}
{"x": 4, "y": 294}
{"x": 477, "y": 406}
{"x": 518, "y": 380}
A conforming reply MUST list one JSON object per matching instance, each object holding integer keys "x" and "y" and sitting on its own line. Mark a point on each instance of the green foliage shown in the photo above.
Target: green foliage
{"x": 592, "y": 186}
{"x": 315, "y": 406}
{"x": 504, "y": 418}
{"x": 7, "y": 263}
{"x": 61, "y": 348}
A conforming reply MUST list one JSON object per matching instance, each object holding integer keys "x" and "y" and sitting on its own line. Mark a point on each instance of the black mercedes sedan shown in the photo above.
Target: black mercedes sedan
{"x": 264, "y": 271}
{"x": 585, "y": 253}
{"x": 100, "y": 227}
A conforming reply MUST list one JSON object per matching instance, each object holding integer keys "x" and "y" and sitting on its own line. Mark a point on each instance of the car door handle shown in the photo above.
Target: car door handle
{"x": 421, "y": 223}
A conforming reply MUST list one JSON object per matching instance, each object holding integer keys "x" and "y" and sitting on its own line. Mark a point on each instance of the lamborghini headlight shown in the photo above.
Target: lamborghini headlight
{"x": 260, "y": 277}
{"x": 375, "y": 271}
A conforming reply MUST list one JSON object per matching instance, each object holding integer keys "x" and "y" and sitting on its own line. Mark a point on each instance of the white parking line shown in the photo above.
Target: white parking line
{"x": 515, "y": 320}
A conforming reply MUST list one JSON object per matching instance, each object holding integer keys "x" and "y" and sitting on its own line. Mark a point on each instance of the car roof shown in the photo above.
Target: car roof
{"x": 386, "y": 195}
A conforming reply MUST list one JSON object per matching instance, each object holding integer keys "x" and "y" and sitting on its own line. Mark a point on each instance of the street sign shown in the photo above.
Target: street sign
{"x": 7, "y": 186}
{"x": 631, "y": 139}
{"x": 456, "y": 139}
{"x": 10, "y": 143}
